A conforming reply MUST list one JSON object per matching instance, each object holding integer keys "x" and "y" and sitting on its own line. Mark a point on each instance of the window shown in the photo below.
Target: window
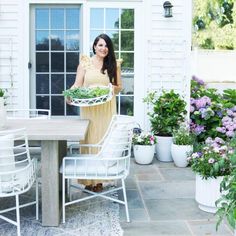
{"x": 57, "y": 49}
{"x": 118, "y": 23}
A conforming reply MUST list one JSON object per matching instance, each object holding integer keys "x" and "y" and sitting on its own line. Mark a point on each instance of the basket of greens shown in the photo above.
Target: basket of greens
{"x": 89, "y": 96}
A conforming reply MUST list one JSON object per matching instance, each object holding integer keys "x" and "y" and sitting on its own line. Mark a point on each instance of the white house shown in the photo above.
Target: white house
{"x": 41, "y": 40}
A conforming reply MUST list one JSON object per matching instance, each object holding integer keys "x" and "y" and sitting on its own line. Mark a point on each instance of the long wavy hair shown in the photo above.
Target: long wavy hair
{"x": 109, "y": 62}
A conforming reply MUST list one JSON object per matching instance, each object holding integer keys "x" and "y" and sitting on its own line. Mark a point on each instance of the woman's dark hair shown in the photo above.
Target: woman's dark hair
{"x": 109, "y": 62}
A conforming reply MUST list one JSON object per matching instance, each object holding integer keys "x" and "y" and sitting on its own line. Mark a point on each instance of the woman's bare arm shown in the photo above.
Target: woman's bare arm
{"x": 79, "y": 80}
{"x": 118, "y": 87}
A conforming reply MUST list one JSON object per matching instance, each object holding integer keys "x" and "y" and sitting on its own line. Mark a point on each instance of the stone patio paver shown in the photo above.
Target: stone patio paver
{"x": 168, "y": 208}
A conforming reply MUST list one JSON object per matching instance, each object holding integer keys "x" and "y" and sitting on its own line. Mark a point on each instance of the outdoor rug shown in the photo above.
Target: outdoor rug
{"x": 95, "y": 217}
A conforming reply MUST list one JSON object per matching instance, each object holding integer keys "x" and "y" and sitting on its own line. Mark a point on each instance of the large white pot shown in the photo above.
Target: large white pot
{"x": 143, "y": 154}
{"x": 207, "y": 192}
{"x": 2, "y": 114}
{"x": 163, "y": 148}
{"x": 180, "y": 153}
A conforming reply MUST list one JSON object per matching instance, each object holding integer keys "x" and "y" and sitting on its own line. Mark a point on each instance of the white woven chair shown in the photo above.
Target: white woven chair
{"x": 17, "y": 172}
{"x": 112, "y": 162}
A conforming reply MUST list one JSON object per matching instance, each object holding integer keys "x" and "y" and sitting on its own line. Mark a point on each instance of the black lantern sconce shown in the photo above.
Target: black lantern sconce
{"x": 168, "y": 9}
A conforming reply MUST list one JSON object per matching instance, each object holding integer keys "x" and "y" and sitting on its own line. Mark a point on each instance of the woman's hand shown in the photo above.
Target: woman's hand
{"x": 68, "y": 100}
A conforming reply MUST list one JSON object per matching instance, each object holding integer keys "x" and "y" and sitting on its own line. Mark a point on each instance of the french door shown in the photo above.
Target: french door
{"x": 59, "y": 36}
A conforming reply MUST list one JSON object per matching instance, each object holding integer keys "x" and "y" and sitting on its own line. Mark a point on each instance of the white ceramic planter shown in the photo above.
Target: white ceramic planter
{"x": 180, "y": 153}
{"x": 143, "y": 154}
{"x": 163, "y": 148}
{"x": 2, "y": 114}
{"x": 207, "y": 192}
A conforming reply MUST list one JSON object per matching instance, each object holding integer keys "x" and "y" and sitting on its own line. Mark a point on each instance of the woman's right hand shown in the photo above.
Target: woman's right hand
{"x": 68, "y": 100}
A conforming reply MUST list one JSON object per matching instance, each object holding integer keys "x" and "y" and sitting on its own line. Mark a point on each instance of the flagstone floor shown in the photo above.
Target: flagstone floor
{"x": 161, "y": 203}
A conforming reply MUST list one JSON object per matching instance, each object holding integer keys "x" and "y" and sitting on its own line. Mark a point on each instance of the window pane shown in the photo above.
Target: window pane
{"x": 72, "y": 110}
{"x": 127, "y": 19}
{"x": 114, "y": 35}
{"x": 126, "y": 105}
{"x": 57, "y": 40}
{"x": 57, "y": 18}
{"x": 42, "y": 62}
{"x": 57, "y": 62}
{"x": 42, "y": 18}
{"x": 72, "y": 18}
{"x": 72, "y": 40}
{"x": 127, "y": 84}
{"x": 70, "y": 79}
{"x": 96, "y": 18}
{"x": 57, "y": 84}
{"x": 42, "y": 40}
{"x": 72, "y": 61}
{"x": 127, "y": 65}
{"x": 42, "y": 102}
{"x": 57, "y": 105}
{"x": 127, "y": 40}
{"x": 93, "y": 35}
{"x": 42, "y": 83}
{"x": 112, "y": 18}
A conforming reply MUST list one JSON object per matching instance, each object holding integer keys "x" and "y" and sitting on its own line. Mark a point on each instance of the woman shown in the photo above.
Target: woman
{"x": 101, "y": 69}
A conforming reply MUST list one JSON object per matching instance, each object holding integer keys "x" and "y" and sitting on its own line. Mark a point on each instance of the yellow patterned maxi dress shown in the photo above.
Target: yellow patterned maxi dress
{"x": 99, "y": 115}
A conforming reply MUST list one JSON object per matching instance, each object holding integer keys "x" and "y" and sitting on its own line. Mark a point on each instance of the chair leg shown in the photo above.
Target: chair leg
{"x": 125, "y": 200}
{"x": 17, "y": 215}
{"x": 37, "y": 197}
{"x": 63, "y": 199}
{"x": 69, "y": 188}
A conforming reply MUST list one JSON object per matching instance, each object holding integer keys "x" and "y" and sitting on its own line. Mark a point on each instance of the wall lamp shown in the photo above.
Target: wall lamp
{"x": 167, "y": 9}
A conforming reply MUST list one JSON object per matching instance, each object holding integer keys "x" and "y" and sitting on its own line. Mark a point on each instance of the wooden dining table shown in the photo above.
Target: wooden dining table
{"x": 53, "y": 134}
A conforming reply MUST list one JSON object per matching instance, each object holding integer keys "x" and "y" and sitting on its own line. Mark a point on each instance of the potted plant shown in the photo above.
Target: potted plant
{"x": 168, "y": 111}
{"x": 182, "y": 145}
{"x": 211, "y": 163}
{"x": 2, "y": 109}
{"x": 144, "y": 147}
{"x": 227, "y": 203}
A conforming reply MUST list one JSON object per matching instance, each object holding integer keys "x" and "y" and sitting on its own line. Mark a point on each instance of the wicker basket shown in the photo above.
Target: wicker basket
{"x": 86, "y": 102}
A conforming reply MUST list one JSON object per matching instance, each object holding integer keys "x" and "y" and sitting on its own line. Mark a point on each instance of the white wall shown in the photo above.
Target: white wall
{"x": 169, "y": 48}
{"x": 214, "y": 66}
{"x": 9, "y": 49}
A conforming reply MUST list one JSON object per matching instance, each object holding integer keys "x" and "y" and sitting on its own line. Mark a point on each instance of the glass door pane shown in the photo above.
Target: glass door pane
{"x": 56, "y": 49}
{"x": 118, "y": 23}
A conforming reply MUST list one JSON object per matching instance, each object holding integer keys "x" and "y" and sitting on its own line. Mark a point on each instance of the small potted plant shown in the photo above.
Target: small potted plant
{"x": 182, "y": 145}
{"x": 144, "y": 147}
{"x": 168, "y": 111}
{"x": 2, "y": 109}
{"x": 210, "y": 163}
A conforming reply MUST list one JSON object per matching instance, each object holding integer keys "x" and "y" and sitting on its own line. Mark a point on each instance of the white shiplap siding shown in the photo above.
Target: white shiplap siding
{"x": 168, "y": 51}
{"x": 9, "y": 49}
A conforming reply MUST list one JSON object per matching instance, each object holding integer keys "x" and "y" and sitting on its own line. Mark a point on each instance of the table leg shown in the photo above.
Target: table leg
{"x": 51, "y": 156}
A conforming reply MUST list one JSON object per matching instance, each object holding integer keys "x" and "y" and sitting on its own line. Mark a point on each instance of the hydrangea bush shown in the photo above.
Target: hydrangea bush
{"x": 228, "y": 124}
{"x": 212, "y": 114}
